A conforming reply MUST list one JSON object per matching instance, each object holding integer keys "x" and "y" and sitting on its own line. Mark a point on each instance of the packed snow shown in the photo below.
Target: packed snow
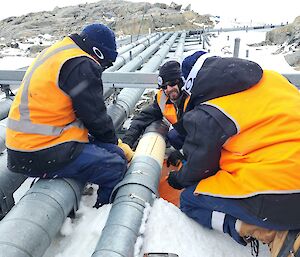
{"x": 165, "y": 228}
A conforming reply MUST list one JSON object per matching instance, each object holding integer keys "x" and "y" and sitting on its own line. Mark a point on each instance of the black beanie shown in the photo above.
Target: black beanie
{"x": 170, "y": 71}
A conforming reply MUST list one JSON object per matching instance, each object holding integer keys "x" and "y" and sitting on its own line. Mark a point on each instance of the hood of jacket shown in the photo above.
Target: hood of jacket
{"x": 220, "y": 76}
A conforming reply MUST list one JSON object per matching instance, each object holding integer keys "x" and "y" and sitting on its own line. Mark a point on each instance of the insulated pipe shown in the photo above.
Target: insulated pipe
{"x": 127, "y": 47}
{"x": 28, "y": 229}
{"x": 180, "y": 48}
{"x": 141, "y": 58}
{"x": 123, "y": 106}
{"x": 107, "y": 92}
{"x": 128, "y": 97}
{"x": 2, "y": 135}
{"x": 9, "y": 183}
{"x": 125, "y": 57}
{"x": 121, "y": 60}
{"x": 132, "y": 194}
{"x": 5, "y": 104}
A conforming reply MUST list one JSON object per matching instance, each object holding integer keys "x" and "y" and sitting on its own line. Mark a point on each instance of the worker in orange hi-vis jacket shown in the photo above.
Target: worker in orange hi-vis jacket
{"x": 242, "y": 150}
{"x": 58, "y": 124}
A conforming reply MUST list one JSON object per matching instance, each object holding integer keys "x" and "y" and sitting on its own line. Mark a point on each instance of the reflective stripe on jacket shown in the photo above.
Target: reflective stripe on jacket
{"x": 41, "y": 115}
{"x": 167, "y": 108}
{"x": 264, "y": 156}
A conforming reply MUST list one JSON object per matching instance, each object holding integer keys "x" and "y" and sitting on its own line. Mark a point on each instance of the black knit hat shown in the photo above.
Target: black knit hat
{"x": 170, "y": 71}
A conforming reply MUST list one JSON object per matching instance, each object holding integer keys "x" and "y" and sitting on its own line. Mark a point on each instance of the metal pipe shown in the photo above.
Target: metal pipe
{"x": 28, "y": 229}
{"x": 2, "y": 134}
{"x": 132, "y": 195}
{"x": 180, "y": 47}
{"x": 5, "y": 104}
{"x": 9, "y": 183}
{"x": 127, "y": 56}
{"x": 141, "y": 58}
{"x": 128, "y": 98}
{"x": 127, "y": 47}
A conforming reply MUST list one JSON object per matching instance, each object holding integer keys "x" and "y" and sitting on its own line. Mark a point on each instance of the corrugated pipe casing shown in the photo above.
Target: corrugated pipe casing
{"x": 26, "y": 234}
{"x": 131, "y": 196}
{"x": 9, "y": 183}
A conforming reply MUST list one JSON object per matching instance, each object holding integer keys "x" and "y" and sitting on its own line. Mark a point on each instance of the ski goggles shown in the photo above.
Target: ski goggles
{"x": 169, "y": 83}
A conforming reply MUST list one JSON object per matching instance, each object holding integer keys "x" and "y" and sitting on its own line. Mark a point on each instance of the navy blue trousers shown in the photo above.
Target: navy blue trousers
{"x": 220, "y": 213}
{"x": 175, "y": 139}
{"x": 99, "y": 163}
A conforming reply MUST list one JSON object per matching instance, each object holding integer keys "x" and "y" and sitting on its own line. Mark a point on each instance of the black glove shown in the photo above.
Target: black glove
{"x": 172, "y": 180}
{"x": 175, "y": 158}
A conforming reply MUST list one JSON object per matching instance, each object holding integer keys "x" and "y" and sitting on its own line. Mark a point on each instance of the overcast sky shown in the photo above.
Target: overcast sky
{"x": 269, "y": 11}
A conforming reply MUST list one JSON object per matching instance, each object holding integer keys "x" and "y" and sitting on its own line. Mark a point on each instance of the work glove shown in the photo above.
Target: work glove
{"x": 172, "y": 180}
{"x": 175, "y": 158}
{"x": 126, "y": 149}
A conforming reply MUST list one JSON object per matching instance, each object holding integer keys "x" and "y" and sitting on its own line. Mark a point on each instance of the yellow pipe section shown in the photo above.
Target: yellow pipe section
{"x": 153, "y": 145}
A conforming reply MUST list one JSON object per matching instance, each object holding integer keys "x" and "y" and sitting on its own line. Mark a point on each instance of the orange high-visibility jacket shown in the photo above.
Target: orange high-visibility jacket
{"x": 167, "y": 108}
{"x": 41, "y": 114}
{"x": 264, "y": 156}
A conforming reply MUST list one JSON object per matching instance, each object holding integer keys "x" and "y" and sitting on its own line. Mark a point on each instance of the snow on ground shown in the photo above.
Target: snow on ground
{"x": 167, "y": 229}
{"x": 223, "y": 45}
{"x": 13, "y": 62}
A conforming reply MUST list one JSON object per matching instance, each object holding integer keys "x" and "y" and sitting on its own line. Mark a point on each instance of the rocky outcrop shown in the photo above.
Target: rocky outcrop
{"x": 293, "y": 59}
{"x": 288, "y": 37}
{"x": 123, "y": 17}
{"x": 289, "y": 33}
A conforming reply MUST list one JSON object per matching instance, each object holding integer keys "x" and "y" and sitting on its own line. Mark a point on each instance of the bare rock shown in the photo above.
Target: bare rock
{"x": 285, "y": 33}
{"x": 175, "y": 6}
{"x": 35, "y": 49}
{"x": 293, "y": 59}
{"x": 122, "y": 16}
{"x": 188, "y": 8}
{"x": 13, "y": 45}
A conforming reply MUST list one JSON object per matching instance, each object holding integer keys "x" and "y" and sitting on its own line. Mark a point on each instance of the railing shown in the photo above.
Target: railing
{"x": 120, "y": 79}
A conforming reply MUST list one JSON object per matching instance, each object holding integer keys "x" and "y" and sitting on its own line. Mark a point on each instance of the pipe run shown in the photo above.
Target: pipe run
{"x": 132, "y": 194}
{"x": 180, "y": 48}
{"x": 9, "y": 183}
{"x": 2, "y": 135}
{"x": 4, "y": 107}
{"x": 127, "y": 56}
{"x": 143, "y": 40}
{"x": 128, "y": 97}
{"x": 28, "y": 229}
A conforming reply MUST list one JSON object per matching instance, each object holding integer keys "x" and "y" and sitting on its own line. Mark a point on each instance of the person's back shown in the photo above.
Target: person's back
{"x": 243, "y": 152}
